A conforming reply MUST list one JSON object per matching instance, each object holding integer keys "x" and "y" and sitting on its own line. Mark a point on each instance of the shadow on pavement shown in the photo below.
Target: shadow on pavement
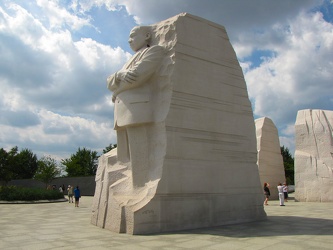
{"x": 273, "y": 226}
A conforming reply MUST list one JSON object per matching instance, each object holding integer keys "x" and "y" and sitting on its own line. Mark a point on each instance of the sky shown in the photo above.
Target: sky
{"x": 55, "y": 56}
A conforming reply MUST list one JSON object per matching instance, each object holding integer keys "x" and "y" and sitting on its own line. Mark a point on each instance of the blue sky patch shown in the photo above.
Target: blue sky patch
{"x": 258, "y": 56}
{"x": 327, "y": 10}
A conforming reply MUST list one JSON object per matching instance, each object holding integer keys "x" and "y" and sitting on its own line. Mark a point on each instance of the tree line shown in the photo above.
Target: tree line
{"x": 24, "y": 164}
{"x": 288, "y": 162}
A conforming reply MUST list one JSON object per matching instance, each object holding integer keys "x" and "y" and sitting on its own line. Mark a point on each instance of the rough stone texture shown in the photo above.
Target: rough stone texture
{"x": 314, "y": 155}
{"x": 209, "y": 175}
{"x": 270, "y": 161}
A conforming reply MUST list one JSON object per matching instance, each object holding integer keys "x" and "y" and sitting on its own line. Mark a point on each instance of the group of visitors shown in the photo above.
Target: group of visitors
{"x": 283, "y": 193}
{"x": 54, "y": 187}
{"x": 71, "y": 192}
{"x": 76, "y": 193}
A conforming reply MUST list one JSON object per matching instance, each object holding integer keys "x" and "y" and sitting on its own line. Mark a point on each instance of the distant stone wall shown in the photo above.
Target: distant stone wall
{"x": 86, "y": 184}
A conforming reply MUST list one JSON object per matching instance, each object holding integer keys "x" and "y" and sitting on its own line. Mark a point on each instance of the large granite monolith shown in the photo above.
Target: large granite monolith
{"x": 314, "y": 155}
{"x": 197, "y": 153}
{"x": 270, "y": 161}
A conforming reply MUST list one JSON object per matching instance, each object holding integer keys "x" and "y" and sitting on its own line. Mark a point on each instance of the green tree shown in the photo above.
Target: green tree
{"x": 11, "y": 161}
{"x": 108, "y": 148}
{"x": 17, "y": 165}
{"x": 48, "y": 170}
{"x": 23, "y": 164}
{"x": 82, "y": 163}
{"x": 6, "y": 174}
{"x": 288, "y": 162}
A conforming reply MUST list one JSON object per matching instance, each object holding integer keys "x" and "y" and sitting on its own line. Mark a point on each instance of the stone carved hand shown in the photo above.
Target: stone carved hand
{"x": 122, "y": 77}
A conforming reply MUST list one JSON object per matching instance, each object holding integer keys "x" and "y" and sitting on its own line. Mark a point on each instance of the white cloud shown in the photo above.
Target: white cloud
{"x": 53, "y": 69}
{"x": 21, "y": 23}
{"x": 53, "y": 89}
{"x": 10, "y": 98}
{"x": 299, "y": 75}
{"x": 288, "y": 142}
{"x": 59, "y": 133}
{"x": 95, "y": 54}
{"x": 58, "y": 16}
{"x": 236, "y": 15}
{"x": 84, "y": 6}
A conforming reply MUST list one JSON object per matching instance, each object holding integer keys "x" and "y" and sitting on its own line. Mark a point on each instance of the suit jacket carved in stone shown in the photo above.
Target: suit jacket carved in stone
{"x": 134, "y": 101}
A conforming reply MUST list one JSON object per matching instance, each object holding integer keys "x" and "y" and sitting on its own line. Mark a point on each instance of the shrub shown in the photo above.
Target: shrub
{"x": 13, "y": 193}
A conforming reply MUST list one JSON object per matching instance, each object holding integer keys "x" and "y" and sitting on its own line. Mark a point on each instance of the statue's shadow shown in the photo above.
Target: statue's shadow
{"x": 273, "y": 226}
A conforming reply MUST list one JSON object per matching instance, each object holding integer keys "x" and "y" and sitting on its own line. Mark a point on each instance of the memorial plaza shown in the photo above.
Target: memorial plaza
{"x": 298, "y": 225}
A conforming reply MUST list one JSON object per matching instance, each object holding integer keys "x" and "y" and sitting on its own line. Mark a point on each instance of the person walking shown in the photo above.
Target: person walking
{"x": 70, "y": 193}
{"x": 281, "y": 195}
{"x": 267, "y": 193}
{"x": 77, "y": 196}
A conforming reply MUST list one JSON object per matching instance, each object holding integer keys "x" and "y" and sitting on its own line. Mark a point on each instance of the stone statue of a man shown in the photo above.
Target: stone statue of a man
{"x": 176, "y": 104}
{"x": 134, "y": 107}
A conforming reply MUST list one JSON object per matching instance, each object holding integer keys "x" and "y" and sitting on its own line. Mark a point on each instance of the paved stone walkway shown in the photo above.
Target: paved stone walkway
{"x": 298, "y": 225}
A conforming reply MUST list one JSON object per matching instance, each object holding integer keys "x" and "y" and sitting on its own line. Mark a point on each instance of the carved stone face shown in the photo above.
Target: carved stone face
{"x": 138, "y": 39}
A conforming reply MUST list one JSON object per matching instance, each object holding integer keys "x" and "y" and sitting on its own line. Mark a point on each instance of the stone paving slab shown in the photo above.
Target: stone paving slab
{"x": 298, "y": 225}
